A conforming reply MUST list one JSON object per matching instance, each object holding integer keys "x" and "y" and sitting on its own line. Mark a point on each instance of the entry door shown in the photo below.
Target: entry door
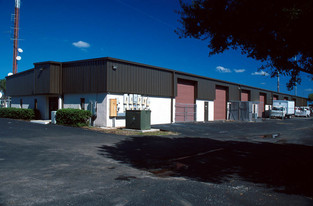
{"x": 53, "y": 105}
{"x": 206, "y": 111}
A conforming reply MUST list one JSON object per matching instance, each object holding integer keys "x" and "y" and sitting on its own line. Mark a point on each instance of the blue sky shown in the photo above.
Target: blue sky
{"x": 134, "y": 30}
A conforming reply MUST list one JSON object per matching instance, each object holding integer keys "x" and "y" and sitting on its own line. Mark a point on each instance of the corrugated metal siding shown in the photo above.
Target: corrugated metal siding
{"x": 255, "y": 95}
{"x": 84, "y": 77}
{"x": 233, "y": 93}
{"x": 42, "y": 79}
{"x": 55, "y": 79}
{"x": 268, "y": 99}
{"x": 20, "y": 84}
{"x": 206, "y": 89}
{"x": 129, "y": 78}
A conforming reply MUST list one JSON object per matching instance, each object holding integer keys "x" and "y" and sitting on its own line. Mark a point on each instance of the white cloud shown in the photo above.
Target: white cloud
{"x": 261, "y": 73}
{"x": 263, "y": 83}
{"x": 223, "y": 69}
{"x": 308, "y": 90}
{"x": 81, "y": 44}
{"x": 239, "y": 70}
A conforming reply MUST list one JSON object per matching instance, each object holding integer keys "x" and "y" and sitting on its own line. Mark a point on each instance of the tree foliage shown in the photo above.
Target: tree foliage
{"x": 310, "y": 97}
{"x": 3, "y": 86}
{"x": 275, "y": 32}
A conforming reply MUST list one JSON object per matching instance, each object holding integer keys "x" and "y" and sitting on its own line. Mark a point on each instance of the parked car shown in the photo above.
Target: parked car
{"x": 302, "y": 112}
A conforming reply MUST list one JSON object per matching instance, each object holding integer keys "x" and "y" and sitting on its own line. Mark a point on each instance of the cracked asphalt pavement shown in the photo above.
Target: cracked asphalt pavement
{"x": 215, "y": 163}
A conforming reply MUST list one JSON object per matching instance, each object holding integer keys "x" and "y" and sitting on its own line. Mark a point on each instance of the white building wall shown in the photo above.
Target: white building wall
{"x": 26, "y": 100}
{"x": 73, "y": 101}
{"x": 29, "y": 101}
{"x": 160, "y": 110}
{"x": 117, "y": 121}
{"x": 43, "y": 106}
{"x": 200, "y": 110}
{"x": 211, "y": 110}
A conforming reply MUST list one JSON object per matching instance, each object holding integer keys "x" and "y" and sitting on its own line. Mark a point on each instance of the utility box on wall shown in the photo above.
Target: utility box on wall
{"x": 138, "y": 119}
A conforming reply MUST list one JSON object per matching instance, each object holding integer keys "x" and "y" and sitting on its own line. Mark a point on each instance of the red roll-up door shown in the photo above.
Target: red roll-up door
{"x": 262, "y": 104}
{"x": 220, "y": 103}
{"x": 275, "y": 97}
{"x": 185, "y": 101}
{"x": 244, "y": 95}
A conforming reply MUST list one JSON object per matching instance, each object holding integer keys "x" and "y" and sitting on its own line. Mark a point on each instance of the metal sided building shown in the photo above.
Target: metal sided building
{"x": 173, "y": 96}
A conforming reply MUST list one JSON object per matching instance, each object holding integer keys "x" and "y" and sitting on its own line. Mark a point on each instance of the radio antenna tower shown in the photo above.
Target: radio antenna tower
{"x": 15, "y": 38}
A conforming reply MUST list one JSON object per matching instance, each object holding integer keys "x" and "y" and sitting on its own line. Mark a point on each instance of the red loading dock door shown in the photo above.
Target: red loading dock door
{"x": 244, "y": 95}
{"x": 262, "y": 104}
{"x": 220, "y": 103}
{"x": 185, "y": 101}
{"x": 275, "y": 97}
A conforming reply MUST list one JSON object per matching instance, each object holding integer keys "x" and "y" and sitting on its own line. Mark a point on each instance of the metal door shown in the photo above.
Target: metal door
{"x": 245, "y": 95}
{"x": 262, "y": 104}
{"x": 53, "y": 105}
{"x": 206, "y": 111}
{"x": 220, "y": 103}
{"x": 185, "y": 101}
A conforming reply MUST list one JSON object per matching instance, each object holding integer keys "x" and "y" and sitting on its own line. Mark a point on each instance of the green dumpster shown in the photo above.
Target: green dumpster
{"x": 138, "y": 119}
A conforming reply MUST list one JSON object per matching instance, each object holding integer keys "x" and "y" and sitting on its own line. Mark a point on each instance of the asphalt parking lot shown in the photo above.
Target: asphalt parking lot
{"x": 215, "y": 163}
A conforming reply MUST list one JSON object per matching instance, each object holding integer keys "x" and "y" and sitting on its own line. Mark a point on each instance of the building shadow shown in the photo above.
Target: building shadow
{"x": 285, "y": 168}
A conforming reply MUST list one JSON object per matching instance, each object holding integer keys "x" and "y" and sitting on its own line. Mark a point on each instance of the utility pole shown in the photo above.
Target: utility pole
{"x": 296, "y": 82}
{"x": 277, "y": 81}
{"x": 15, "y": 38}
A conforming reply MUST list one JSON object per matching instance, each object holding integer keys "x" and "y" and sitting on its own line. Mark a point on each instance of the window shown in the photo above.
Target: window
{"x": 82, "y": 103}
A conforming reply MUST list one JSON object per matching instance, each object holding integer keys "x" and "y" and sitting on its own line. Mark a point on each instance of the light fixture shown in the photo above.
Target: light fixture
{"x": 114, "y": 67}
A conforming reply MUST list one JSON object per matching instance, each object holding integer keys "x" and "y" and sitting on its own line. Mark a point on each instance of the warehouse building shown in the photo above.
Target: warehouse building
{"x": 172, "y": 96}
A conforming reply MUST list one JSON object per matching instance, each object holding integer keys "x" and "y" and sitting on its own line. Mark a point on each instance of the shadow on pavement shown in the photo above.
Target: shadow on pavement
{"x": 286, "y": 168}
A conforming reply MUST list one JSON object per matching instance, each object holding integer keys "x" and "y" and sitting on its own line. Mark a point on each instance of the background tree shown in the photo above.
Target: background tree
{"x": 310, "y": 97}
{"x": 275, "y": 32}
{"x": 3, "y": 86}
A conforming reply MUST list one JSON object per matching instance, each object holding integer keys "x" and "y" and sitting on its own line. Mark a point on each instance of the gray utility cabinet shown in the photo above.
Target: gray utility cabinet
{"x": 138, "y": 119}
